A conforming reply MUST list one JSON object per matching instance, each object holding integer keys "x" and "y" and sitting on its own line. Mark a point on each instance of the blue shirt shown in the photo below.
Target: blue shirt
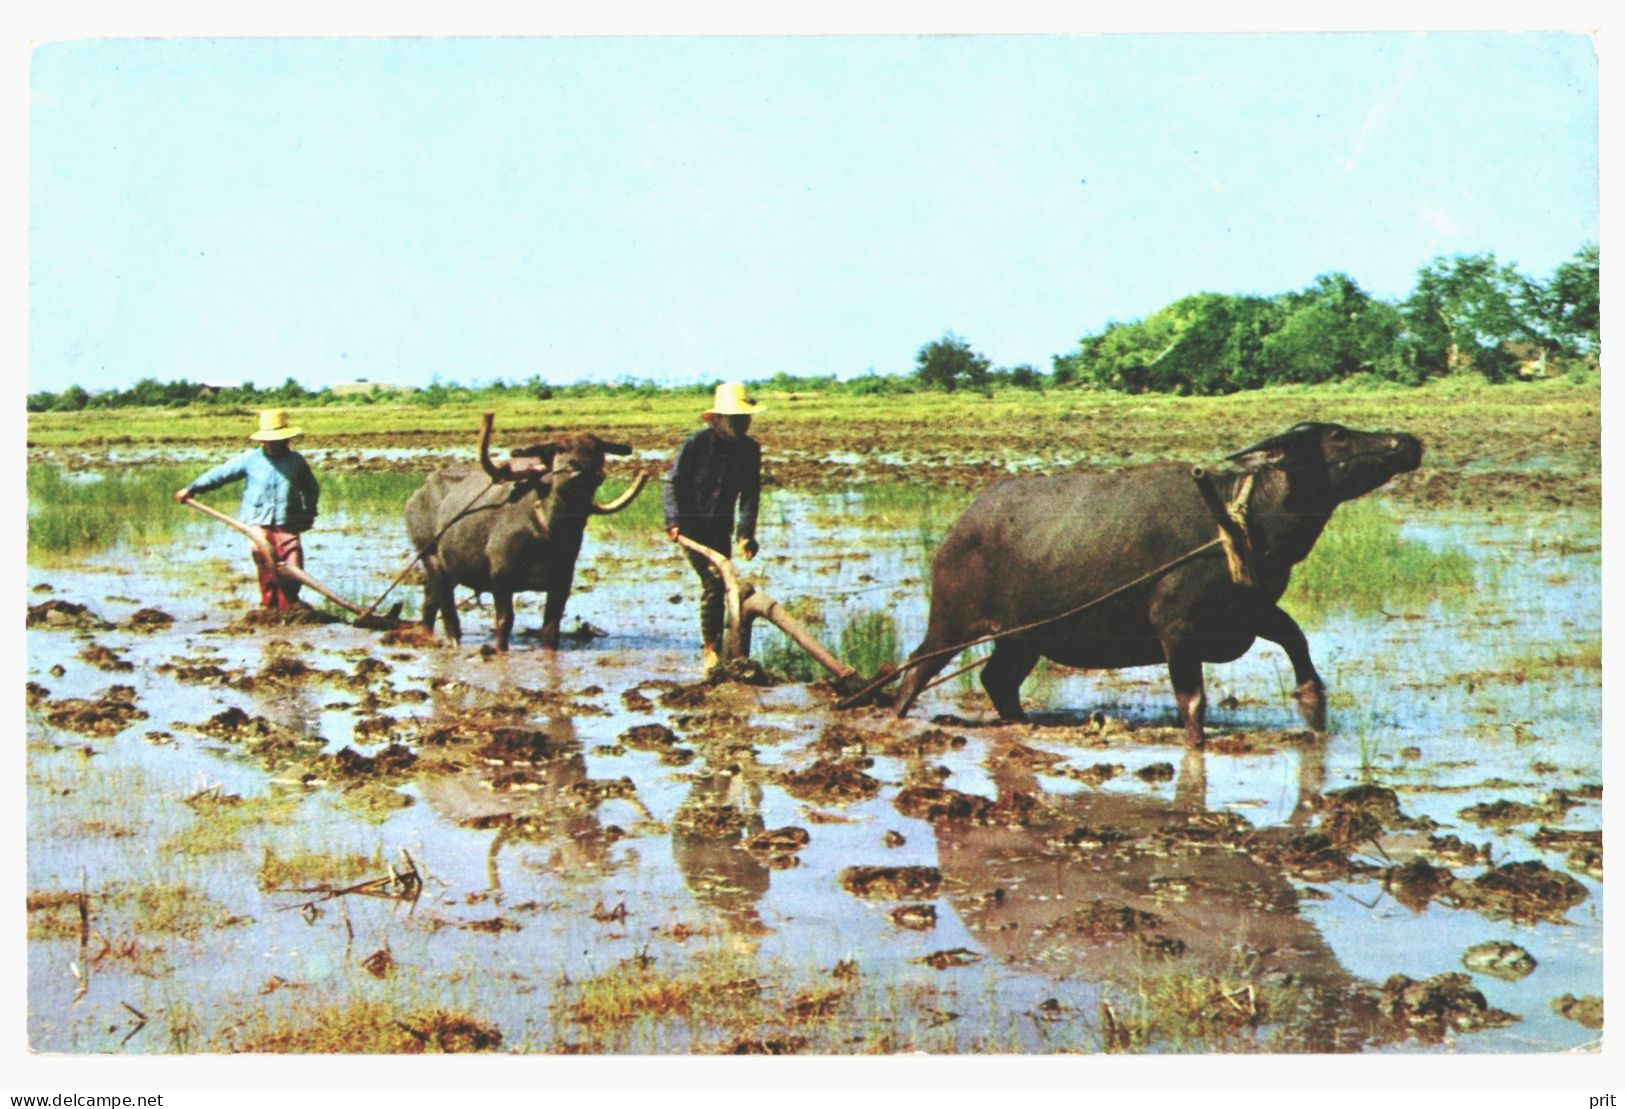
{"x": 278, "y": 491}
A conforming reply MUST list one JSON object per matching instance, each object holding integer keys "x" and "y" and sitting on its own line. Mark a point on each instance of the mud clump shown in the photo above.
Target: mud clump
{"x": 1089, "y": 838}
{"x": 64, "y": 614}
{"x": 108, "y": 714}
{"x": 739, "y": 671}
{"x": 1451, "y": 849}
{"x": 838, "y": 740}
{"x": 1156, "y": 772}
{"x": 917, "y": 918}
{"x": 1499, "y": 959}
{"x": 933, "y": 741}
{"x": 717, "y": 821}
{"x": 351, "y": 765}
{"x": 205, "y": 673}
{"x": 1106, "y": 920}
{"x": 1581, "y": 1010}
{"x": 1034, "y": 759}
{"x": 659, "y": 739}
{"x": 275, "y": 745}
{"x": 1313, "y": 857}
{"x": 892, "y": 883}
{"x": 149, "y": 620}
{"x": 755, "y": 1045}
{"x": 1417, "y": 882}
{"x": 1363, "y": 812}
{"x": 1439, "y": 1004}
{"x": 938, "y": 805}
{"x": 408, "y": 635}
{"x": 1567, "y": 837}
{"x": 301, "y": 615}
{"x": 519, "y": 745}
{"x": 105, "y": 658}
{"x": 952, "y": 957}
{"x": 1586, "y": 861}
{"x": 829, "y": 781}
{"x": 1185, "y": 829}
{"x": 1093, "y": 776}
{"x": 36, "y": 694}
{"x": 779, "y": 841}
{"x": 1521, "y": 891}
{"x": 1503, "y": 813}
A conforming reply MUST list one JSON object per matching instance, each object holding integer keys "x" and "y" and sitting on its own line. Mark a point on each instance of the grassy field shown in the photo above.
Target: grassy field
{"x": 907, "y": 463}
{"x": 1551, "y": 426}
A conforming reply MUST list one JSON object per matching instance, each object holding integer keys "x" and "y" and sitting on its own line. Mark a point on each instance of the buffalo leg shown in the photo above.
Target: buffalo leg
{"x": 1003, "y": 675}
{"x": 1185, "y": 669}
{"x": 440, "y": 597}
{"x": 1277, "y": 627}
{"x": 553, "y": 612}
{"x": 503, "y": 604}
{"x": 449, "y": 619}
{"x": 431, "y": 605}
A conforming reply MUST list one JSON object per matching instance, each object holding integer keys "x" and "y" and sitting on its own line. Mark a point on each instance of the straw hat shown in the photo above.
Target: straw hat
{"x": 274, "y": 425}
{"x": 731, "y": 400}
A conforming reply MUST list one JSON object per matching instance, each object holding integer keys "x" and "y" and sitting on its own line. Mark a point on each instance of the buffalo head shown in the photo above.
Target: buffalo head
{"x": 1332, "y": 462}
{"x": 564, "y": 474}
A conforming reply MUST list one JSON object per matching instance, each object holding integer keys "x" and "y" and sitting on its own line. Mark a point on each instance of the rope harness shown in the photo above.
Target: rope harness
{"x": 427, "y": 547}
{"x": 1234, "y": 539}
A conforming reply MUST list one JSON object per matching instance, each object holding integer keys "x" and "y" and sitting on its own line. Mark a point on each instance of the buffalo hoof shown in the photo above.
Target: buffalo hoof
{"x": 1311, "y": 698}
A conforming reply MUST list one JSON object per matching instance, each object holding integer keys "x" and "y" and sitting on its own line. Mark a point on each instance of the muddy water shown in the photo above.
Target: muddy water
{"x": 1079, "y": 887}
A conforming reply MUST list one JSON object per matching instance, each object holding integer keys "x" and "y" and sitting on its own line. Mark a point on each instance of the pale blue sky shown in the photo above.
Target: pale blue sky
{"x": 685, "y": 209}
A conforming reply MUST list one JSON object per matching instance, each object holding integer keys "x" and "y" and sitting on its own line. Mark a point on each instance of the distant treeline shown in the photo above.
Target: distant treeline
{"x": 1467, "y": 313}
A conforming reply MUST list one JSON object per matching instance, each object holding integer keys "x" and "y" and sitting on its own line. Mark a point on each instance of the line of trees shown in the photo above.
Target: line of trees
{"x": 1467, "y": 313}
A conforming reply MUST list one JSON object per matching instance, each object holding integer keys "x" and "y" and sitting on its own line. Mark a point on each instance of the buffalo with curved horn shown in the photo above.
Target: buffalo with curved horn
{"x": 520, "y": 531}
{"x": 1098, "y": 570}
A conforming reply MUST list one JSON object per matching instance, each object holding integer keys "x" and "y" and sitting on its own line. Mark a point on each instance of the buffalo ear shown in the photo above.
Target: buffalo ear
{"x": 615, "y": 448}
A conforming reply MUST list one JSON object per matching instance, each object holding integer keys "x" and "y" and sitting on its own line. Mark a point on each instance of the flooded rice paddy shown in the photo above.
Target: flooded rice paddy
{"x": 313, "y": 837}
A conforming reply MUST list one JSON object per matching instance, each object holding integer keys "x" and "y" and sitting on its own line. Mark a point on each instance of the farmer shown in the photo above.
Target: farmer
{"x": 718, "y": 467}
{"x": 279, "y": 502}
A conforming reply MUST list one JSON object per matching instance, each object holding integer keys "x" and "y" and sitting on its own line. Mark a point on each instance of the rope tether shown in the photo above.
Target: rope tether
{"x": 1234, "y": 538}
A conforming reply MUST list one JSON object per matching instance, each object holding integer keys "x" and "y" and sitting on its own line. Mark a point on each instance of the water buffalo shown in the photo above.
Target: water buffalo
{"x": 1032, "y": 547}
{"x": 510, "y": 528}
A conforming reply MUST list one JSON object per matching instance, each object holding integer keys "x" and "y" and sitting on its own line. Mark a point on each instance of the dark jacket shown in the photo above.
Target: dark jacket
{"x": 710, "y": 475}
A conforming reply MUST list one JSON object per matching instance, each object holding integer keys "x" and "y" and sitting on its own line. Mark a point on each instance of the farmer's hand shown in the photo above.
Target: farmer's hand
{"x": 183, "y": 495}
{"x": 671, "y": 533}
{"x": 746, "y": 548}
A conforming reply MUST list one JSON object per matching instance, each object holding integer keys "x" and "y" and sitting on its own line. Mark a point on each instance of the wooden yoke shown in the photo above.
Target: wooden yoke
{"x": 1232, "y": 521}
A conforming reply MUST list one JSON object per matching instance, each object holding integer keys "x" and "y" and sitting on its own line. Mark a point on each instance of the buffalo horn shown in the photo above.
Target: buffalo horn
{"x": 624, "y": 499}
{"x": 492, "y": 470}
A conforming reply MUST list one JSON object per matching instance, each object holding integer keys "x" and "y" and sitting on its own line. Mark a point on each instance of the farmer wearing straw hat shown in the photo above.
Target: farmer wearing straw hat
{"x": 279, "y": 501}
{"x": 717, "y": 468}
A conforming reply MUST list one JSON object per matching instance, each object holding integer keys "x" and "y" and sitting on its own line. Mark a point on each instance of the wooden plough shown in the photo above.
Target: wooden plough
{"x": 745, "y": 604}
{"x": 365, "y": 617}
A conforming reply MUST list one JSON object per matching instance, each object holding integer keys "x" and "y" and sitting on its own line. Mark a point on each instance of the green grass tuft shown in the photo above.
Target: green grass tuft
{"x": 1363, "y": 565}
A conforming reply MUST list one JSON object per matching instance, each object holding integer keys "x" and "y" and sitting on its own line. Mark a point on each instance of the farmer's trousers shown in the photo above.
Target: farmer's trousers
{"x": 286, "y": 550}
{"x": 711, "y": 596}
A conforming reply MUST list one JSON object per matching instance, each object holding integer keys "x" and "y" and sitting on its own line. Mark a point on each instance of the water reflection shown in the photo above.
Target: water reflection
{"x": 721, "y": 811}
{"x": 531, "y": 784}
{"x": 1120, "y": 888}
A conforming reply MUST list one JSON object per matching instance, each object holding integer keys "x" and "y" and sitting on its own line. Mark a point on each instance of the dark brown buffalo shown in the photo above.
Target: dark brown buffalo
{"x": 1032, "y": 547}
{"x": 510, "y": 528}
